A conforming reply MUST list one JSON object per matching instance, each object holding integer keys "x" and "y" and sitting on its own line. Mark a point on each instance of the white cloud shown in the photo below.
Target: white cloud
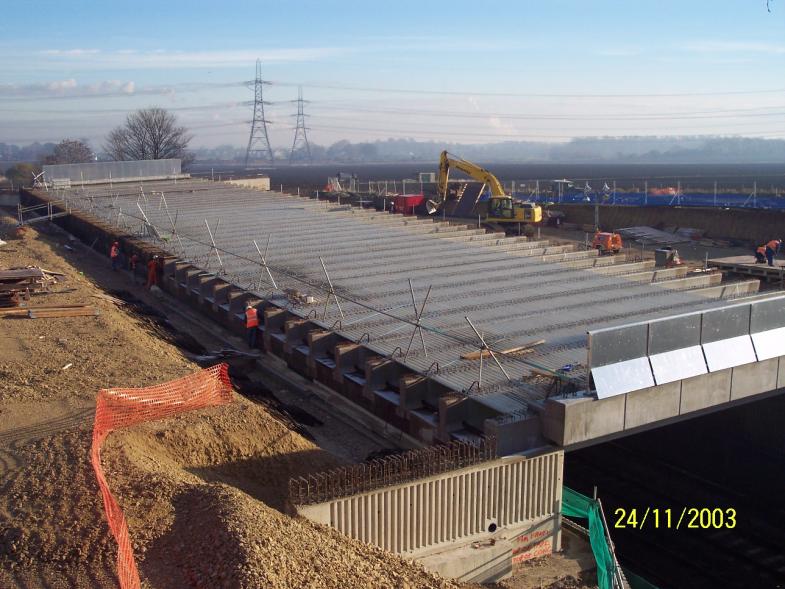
{"x": 70, "y": 52}
{"x": 162, "y": 59}
{"x": 65, "y": 88}
{"x": 59, "y": 85}
{"x": 710, "y": 46}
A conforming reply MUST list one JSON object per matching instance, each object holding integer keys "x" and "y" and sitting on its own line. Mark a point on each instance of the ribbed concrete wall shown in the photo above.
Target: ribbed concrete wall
{"x": 753, "y": 225}
{"x": 417, "y": 517}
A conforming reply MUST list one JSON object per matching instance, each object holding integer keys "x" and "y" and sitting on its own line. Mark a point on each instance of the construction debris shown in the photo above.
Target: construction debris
{"x": 67, "y": 311}
{"x": 16, "y": 282}
{"x": 650, "y": 235}
{"x": 524, "y": 349}
{"x": 109, "y": 298}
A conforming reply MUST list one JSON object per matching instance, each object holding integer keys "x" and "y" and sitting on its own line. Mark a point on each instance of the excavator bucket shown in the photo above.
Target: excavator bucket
{"x": 432, "y": 206}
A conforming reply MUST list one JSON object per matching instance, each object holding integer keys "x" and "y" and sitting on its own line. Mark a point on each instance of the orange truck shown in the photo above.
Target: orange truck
{"x": 607, "y": 243}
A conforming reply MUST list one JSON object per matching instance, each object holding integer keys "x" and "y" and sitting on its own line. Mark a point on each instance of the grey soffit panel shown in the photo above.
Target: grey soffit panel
{"x": 769, "y": 344}
{"x": 610, "y": 346}
{"x": 678, "y": 364}
{"x": 767, "y": 315}
{"x": 622, "y": 377}
{"x": 728, "y": 353}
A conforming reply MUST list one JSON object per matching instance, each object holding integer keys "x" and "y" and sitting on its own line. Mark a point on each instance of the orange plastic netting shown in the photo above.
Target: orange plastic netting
{"x": 120, "y": 408}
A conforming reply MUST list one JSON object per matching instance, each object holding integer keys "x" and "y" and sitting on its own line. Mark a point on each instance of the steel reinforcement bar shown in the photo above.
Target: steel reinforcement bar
{"x": 390, "y": 470}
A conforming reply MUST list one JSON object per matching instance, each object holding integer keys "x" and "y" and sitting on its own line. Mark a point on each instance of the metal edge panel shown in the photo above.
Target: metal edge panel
{"x": 725, "y": 323}
{"x": 729, "y": 353}
{"x": 673, "y": 333}
{"x": 769, "y": 344}
{"x": 678, "y": 364}
{"x": 767, "y": 315}
{"x": 618, "y": 345}
{"x": 622, "y": 377}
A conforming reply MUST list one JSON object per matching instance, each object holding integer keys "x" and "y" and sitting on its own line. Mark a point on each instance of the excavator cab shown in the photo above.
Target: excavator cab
{"x": 504, "y": 208}
{"x": 500, "y": 207}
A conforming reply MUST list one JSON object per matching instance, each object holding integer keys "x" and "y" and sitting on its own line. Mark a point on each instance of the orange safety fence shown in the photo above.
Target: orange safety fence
{"x": 121, "y": 408}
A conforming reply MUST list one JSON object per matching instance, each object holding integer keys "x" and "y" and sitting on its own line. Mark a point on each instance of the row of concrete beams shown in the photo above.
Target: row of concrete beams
{"x": 276, "y": 218}
{"x": 423, "y": 406}
{"x": 420, "y": 406}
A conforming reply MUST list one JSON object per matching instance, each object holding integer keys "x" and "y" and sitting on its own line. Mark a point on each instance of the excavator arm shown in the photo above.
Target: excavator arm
{"x": 474, "y": 171}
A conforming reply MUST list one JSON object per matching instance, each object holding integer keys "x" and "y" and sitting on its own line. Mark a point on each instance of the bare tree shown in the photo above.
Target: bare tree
{"x": 70, "y": 151}
{"x": 149, "y": 134}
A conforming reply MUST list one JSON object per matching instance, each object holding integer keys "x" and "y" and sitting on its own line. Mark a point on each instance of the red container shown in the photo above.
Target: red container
{"x": 407, "y": 203}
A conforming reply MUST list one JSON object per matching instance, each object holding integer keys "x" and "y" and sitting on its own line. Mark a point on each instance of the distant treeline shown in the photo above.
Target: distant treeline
{"x": 642, "y": 150}
{"x": 584, "y": 150}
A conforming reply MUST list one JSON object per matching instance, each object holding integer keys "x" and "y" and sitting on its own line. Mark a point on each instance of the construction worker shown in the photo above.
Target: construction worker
{"x": 114, "y": 255}
{"x": 772, "y": 249}
{"x": 760, "y": 254}
{"x": 152, "y": 272}
{"x": 251, "y": 324}
{"x": 133, "y": 262}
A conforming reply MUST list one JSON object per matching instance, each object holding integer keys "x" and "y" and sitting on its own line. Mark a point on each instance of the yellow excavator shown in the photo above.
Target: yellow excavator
{"x": 502, "y": 208}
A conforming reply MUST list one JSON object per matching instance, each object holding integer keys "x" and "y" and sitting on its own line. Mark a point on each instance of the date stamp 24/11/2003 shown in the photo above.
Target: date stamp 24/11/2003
{"x": 690, "y": 518}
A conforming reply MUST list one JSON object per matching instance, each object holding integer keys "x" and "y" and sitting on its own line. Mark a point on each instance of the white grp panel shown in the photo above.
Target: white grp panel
{"x": 769, "y": 344}
{"x": 727, "y": 353}
{"x": 678, "y": 364}
{"x": 622, "y": 377}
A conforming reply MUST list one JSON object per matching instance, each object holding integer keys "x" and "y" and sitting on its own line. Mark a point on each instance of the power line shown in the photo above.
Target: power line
{"x": 739, "y": 113}
{"x": 525, "y": 94}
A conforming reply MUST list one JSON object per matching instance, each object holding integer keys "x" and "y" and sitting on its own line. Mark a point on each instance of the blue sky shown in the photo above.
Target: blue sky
{"x": 448, "y": 71}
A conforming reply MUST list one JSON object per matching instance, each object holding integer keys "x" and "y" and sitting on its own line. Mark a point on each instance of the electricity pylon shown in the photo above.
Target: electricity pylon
{"x": 299, "y": 131}
{"x": 258, "y": 142}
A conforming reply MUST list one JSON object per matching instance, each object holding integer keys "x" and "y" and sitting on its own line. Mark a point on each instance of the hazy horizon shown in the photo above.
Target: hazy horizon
{"x": 534, "y": 71}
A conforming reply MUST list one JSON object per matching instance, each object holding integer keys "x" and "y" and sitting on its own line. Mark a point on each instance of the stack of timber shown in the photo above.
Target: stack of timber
{"x": 16, "y": 282}
{"x": 48, "y": 312}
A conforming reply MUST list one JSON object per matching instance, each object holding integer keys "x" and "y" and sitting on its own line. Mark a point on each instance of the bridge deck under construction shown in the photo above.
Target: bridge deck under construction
{"x": 530, "y": 296}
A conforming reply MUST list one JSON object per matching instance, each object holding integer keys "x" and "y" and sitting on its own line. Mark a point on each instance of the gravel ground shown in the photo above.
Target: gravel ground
{"x": 204, "y": 493}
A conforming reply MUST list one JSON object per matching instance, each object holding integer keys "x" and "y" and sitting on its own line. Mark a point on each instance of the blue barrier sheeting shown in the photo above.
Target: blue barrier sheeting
{"x": 688, "y": 199}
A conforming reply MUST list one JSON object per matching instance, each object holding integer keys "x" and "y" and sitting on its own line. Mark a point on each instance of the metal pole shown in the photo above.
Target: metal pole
{"x": 331, "y": 292}
{"x": 645, "y": 193}
{"x": 715, "y": 193}
{"x": 264, "y": 263}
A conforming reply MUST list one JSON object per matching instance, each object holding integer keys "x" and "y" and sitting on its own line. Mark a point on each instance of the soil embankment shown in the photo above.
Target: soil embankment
{"x": 204, "y": 493}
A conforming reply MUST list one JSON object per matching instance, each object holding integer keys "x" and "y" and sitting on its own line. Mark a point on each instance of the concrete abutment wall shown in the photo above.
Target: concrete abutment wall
{"x": 514, "y": 501}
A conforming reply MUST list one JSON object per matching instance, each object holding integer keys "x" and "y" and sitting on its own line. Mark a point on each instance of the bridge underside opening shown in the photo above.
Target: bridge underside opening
{"x": 731, "y": 463}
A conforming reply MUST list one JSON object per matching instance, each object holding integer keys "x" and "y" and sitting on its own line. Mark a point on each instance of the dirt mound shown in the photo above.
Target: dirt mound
{"x": 52, "y": 515}
{"x": 205, "y": 495}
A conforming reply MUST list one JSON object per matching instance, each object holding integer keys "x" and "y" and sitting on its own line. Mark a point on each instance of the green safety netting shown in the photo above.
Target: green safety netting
{"x": 636, "y": 581}
{"x": 576, "y": 505}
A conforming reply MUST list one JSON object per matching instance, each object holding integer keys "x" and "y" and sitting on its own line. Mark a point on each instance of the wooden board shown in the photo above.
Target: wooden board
{"x": 524, "y": 349}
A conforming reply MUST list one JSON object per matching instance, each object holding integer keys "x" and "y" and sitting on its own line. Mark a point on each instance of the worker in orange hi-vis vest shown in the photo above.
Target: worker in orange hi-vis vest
{"x": 760, "y": 254}
{"x": 251, "y": 324}
{"x": 152, "y": 272}
{"x": 772, "y": 249}
{"x": 114, "y": 255}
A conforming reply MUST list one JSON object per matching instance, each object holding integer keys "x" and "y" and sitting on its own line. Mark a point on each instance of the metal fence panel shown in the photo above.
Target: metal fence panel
{"x": 93, "y": 172}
